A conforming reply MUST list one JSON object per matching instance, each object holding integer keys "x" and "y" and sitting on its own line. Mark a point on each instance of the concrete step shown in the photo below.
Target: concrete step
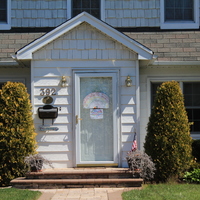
{"x": 24, "y": 183}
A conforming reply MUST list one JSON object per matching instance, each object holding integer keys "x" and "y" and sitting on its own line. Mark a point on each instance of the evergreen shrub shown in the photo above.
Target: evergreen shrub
{"x": 17, "y": 137}
{"x": 168, "y": 140}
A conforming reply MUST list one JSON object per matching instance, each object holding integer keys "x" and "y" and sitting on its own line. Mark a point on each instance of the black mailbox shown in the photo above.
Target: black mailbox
{"x": 48, "y": 112}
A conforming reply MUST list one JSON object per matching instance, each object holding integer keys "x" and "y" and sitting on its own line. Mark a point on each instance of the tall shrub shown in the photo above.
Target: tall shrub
{"x": 168, "y": 139}
{"x": 17, "y": 137}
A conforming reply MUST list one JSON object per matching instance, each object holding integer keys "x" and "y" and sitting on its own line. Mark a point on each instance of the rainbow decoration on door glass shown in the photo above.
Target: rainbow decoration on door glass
{"x": 96, "y": 100}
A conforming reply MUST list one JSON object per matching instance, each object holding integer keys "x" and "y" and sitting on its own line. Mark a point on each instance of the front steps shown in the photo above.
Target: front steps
{"x": 77, "y": 178}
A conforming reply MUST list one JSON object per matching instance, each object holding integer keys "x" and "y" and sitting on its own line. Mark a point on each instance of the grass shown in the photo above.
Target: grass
{"x": 164, "y": 192}
{"x": 18, "y": 194}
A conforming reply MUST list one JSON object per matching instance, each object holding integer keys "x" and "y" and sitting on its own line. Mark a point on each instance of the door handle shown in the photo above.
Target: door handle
{"x": 77, "y": 119}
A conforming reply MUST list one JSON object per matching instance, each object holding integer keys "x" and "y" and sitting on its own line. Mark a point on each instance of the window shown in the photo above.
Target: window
{"x": 179, "y": 14}
{"x": 191, "y": 92}
{"x": 5, "y": 14}
{"x": 94, "y": 7}
{"x": 90, "y": 6}
{"x": 1, "y": 84}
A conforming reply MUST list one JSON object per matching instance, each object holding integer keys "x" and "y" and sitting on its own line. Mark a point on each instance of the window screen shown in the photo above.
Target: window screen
{"x": 3, "y": 10}
{"x": 179, "y": 10}
{"x": 90, "y": 6}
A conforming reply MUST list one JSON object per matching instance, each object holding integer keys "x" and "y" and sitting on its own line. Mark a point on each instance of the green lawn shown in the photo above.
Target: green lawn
{"x": 17, "y": 194}
{"x": 164, "y": 192}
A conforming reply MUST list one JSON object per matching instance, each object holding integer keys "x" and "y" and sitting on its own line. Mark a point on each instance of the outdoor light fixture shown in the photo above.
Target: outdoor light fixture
{"x": 64, "y": 82}
{"x": 128, "y": 81}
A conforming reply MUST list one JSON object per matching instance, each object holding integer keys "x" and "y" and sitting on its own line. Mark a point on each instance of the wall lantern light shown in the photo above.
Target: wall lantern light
{"x": 128, "y": 81}
{"x": 64, "y": 82}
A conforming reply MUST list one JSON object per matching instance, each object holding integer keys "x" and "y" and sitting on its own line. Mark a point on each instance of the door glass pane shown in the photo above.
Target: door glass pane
{"x": 96, "y": 131}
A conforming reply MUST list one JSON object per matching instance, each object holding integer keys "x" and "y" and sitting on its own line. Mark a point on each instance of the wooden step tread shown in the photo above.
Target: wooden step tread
{"x": 75, "y": 181}
{"x": 82, "y": 171}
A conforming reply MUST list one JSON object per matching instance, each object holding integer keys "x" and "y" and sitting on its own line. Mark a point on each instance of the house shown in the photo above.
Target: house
{"x": 92, "y": 69}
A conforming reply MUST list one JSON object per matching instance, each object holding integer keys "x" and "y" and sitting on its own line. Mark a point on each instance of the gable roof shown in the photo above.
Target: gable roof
{"x": 26, "y": 52}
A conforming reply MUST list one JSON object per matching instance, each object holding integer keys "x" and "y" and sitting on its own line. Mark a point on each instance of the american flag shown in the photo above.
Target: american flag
{"x": 134, "y": 145}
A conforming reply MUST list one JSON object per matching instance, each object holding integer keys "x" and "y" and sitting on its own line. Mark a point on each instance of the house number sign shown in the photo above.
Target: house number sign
{"x": 47, "y": 91}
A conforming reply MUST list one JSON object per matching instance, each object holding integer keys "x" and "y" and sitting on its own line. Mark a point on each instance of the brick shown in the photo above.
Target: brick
{"x": 189, "y": 49}
{"x": 156, "y": 36}
{"x": 176, "y": 59}
{"x": 15, "y": 36}
{"x": 194, "y": 35}
{"x": 8, "y": 50}
{"x": 154, "y": 45}
{"x": 170, "y": 35}
{"x": 3, "y": 36}
{"x": 182, "y": 36}
{"x": 171, "y": 45}
{"x": 22, "y": 41}
{"x": 164, "y": 50}
{"x": 8, "y": 41}
{"x": 177, "y": 49}
{"x": 195, "y": 44}
{"x": 175, "y": 41}
{"x": 163, "y": 41}
{"x": 183, "y": 44}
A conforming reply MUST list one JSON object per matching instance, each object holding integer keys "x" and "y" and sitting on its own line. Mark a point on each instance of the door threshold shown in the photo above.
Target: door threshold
{"x": 98, "y": 165}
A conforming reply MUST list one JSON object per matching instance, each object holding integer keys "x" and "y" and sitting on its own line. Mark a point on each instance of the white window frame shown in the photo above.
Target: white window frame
{"x": 69, "y": 9}
{"x": 7, "y": 25}
{"x": 179, "y": 24}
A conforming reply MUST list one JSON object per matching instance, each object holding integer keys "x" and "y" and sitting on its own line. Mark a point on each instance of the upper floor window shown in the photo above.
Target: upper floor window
{"x": 179, "y": 10}
{"x": 3, "y": 11}
{"x": 93, "y": 7}
{"x": 90, "y": 6}
{"x": 5, "y": 14}
{"x": 179, "y": 14}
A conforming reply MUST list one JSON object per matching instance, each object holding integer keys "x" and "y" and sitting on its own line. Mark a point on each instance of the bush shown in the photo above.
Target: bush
{"x": 196, "y": 150}
{"x": 193, "y": 176}
{"x": 17, "y": 137}
{"x": 140, "y": 164}
{"x": 168, "y": 139}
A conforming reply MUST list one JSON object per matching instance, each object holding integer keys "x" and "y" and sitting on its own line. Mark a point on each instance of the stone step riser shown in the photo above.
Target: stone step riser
{"x": 74, "y": 183}
{"x": 77, "y": 176}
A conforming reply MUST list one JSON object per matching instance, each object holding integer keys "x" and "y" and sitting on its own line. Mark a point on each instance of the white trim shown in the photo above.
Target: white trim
{"x": 138, "y": 104}
{"x": 179, "y": 25}
{"x": 7, "y": 25}
{"x": 69, "y": 9}
{"x": 116, "y": 149}
{"x": 177, "y": 63}
{"x": 102, "y": 13}
{"x": 102, "y": 9}
{"x": 27, "y": 51}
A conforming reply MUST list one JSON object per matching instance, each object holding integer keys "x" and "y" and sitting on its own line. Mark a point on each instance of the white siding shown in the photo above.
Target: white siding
{"x": 82, "y": 48}
{"x": 119, "y": 13}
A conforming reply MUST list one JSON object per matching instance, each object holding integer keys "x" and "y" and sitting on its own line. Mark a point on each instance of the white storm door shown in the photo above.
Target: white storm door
{"x": 96, "y": 118}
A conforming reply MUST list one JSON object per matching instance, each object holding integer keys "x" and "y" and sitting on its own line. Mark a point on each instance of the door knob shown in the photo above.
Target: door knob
{"x": 77, "y": 119}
